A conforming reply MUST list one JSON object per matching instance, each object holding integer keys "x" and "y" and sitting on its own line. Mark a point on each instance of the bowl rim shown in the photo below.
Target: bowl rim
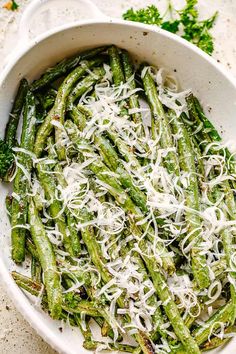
{"x": 19, "y": 299}
{"x": 149, "y": 28}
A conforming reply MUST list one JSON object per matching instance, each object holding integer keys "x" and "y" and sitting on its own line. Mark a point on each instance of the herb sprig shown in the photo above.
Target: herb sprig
{"x": 184, "y": 22}
{"x": 11, "y": 5}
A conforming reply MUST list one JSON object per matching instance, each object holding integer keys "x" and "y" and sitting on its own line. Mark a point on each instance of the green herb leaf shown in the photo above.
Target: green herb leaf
{"x": 14, "y": 5}
{"x": 6, "y": 159}
{"x": 150, "y": 15}
{"x": 171, "y": 26}
{"x": 186, "y": 20}
{"x": 189, "y": 12}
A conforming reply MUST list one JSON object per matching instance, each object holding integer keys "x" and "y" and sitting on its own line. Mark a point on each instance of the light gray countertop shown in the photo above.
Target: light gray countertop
{"x": 16, "y": 336}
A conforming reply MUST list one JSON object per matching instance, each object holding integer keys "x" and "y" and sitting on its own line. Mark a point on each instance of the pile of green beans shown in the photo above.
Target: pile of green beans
{"x": 72, "y": 275}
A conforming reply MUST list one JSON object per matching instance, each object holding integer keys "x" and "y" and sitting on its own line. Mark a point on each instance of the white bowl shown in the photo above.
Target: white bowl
{"x": 194, "y": 69}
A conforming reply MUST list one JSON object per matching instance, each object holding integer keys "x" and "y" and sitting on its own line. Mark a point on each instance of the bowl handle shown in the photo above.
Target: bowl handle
{"x": 36, "y": 5}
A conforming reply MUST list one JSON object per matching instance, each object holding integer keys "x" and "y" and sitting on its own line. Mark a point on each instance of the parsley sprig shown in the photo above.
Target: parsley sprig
{"x": 184, "y": 22}
{"x": 14, "y": 5}
{"x": 11, "y": 5}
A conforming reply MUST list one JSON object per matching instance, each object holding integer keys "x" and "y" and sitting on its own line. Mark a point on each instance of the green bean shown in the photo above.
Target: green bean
{"x": 100, "y": 321}
{"x": 75, "y": 241}
{"x": 71, "y": 222}
{"x": 207, "y": 133}
{"x": 35, "y": 270}
{"x": 77, "y": 117}
{"x": 116, "y": 66}
{"x": 105, "y": 329}
{"x": 38, "y": 202}
{"x": 21, "y": 182}
{"x": 222, "y": 315}
{"x": 26, "y": 283}
{"x": 208, "y": 126}
{"x": 47, "y": 261}
{"x": 56, "y": 209}
{"x": 92, "y": 246}
{"x": 58, "y": 111}
{"x": 160, "y": 124}
{"x": 187, "y": 164}
{"x": 49, "y": 99}
{"x": 87, "y": 83}
{"x": 44, "y": 102}
{"x": 64, "y": 67}
{"x": 87, "y": 334}
{"x": 216, "y": 342}
{"x": 124, "y": 150}
{"x": 83, "y": 86}
{"x": 84, "y": 307}
{"x": 84, "y": 110}
{"x": 14, "y": 117}
{"x": 59, "y": 108}
{"x": 133, "y": 99}
{"x": 8, "y": 204}
{"x": 30, "y": 246}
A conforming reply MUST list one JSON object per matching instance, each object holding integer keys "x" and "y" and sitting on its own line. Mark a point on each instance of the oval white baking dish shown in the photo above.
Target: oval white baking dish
{"x": 194, "y": 69}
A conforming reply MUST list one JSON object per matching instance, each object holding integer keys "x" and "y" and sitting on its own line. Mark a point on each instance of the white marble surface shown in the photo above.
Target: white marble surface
{"x": 16, "y": 336}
